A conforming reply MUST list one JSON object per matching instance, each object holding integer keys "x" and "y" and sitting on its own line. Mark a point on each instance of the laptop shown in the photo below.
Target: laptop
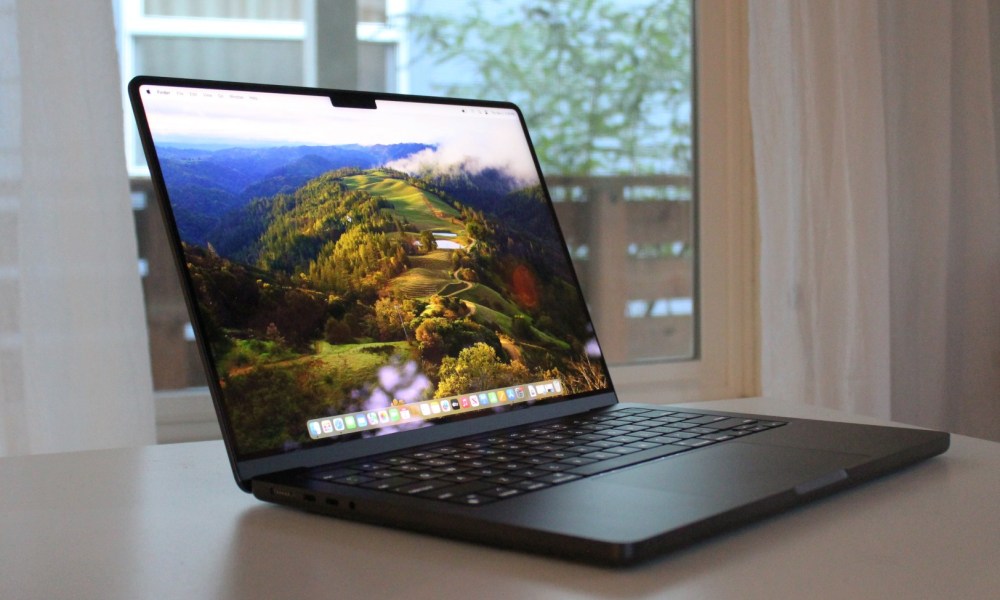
{"x": 393, "y": 333}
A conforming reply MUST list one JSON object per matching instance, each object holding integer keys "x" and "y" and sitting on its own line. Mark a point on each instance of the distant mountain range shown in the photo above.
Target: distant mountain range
{"x": 205, "y": 185}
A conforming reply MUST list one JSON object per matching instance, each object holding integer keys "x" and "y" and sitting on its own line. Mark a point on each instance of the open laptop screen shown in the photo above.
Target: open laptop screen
{"x": 360, "y": 271}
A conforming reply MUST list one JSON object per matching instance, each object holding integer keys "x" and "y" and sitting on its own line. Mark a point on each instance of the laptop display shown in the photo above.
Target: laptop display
{"x": 360, "y": 270}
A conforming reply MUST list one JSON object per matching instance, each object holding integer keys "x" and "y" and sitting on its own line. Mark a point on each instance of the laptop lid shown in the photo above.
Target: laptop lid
{"x": 365, "y": 272}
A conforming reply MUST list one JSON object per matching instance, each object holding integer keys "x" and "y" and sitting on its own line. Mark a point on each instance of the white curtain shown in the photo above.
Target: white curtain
{"x": 74, "y": 360}
{"x": 876, "y": 129}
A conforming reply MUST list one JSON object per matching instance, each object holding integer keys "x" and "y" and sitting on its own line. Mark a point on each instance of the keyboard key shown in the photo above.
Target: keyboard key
{"x": 664, "y": 439}
{"x": 623, "y": 449}
{"x": 560, "y": 454}
{"x": 472, "y": 499}
{"x": 454, "y": 491}
{"x": 387, "y": 484}
{"x": 548, "y": 447}
{"x": 420, "y": 487}
{"x": 353, "y": 479}
{"x": 384, "y": 473}
{"x": 424, "y": 455}
{"x": 616, "y": 431}
{"x": 557, "y": 478}
{"x": 628, "y": 428}
{"x": 686, "y": 415}
{"x": 530, "y": 485}
{"x": 485, "y": 472}
{"x": 502, "y": 492}
{"x": 503, "y": 479}
{"x": 601, "y": 455}
{"x": 716, "y": 437}
{"x": 646, "y": 445}
{"x": 512, "y": 466}
{"x": 694, "y": 443}
{"x": 334, "y": 474}
{"x": 730, "y": 423}
{"x": 645, "y": 434}
{"x": 530, "y": 473}
{"x": 450, "y": 469}
{"x": 599, "y": 444}
{"x": 461, "y": 477}
{"x": 367, "y": 466}
{"x": 673, "y": 419}
{"x": 623, "y": 439}
{"x": 663, "y": 430}
{"x": 554, "y": 467}
{"x": 706, "y": 419}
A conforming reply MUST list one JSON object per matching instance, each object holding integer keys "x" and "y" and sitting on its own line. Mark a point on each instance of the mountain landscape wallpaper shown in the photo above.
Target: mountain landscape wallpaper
{"x": 340, "y": 277}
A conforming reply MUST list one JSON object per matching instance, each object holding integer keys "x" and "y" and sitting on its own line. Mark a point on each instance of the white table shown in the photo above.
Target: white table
{"x": 169, "y": 522}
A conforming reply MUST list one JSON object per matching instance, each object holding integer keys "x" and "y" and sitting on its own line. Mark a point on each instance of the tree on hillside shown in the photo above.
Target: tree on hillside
{"x": 427, "y": 241}
{"x": 478, "y": 368}
{"x": 392, "y": 317}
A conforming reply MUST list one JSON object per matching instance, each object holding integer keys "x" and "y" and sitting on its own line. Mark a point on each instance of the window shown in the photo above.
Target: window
{"x": 608, "y": 89}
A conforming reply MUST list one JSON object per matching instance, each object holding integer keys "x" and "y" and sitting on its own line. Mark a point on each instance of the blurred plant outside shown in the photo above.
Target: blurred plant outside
{"x": 605, "y": 86}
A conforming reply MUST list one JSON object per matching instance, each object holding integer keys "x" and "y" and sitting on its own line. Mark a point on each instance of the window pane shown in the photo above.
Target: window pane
{"x": 289, "y": 10}
{"x": 605, "y": 86}
{"x": 263, "y": 61}
{"x": 376, "y": 67}
{"x": 371, "y": 11}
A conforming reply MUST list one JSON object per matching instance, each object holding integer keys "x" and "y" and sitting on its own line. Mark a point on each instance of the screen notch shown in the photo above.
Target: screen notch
{"x": 351, "y": 100}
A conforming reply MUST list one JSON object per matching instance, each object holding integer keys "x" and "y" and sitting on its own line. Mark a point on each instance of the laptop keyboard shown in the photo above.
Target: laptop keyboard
{"x": 483, "y": 469}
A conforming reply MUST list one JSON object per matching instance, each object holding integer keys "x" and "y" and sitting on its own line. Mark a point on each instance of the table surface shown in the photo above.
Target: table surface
{"x": 169, "y": 522}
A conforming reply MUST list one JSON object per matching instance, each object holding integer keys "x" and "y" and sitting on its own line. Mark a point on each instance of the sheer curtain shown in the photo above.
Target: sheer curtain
{"x": 74, "y": 360}
{"x": 876, "y": 133}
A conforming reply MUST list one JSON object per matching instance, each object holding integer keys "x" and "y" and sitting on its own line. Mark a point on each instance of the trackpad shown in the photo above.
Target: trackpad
{"x": 736, "y": 468}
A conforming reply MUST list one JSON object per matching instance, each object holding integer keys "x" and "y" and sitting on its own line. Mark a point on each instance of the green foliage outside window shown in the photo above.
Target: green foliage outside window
{"x": 605, "y": 86}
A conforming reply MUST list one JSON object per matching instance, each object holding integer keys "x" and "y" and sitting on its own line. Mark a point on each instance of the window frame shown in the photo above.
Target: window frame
{"x": 726, "y": 362}
{"x": 727, "y": 357}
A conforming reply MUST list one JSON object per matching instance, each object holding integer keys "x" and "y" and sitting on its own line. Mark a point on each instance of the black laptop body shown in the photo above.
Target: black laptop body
{"x": 393, "y": 333}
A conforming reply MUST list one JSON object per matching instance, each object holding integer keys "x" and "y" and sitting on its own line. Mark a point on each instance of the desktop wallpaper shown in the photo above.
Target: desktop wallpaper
{"x": 349, "y": 259}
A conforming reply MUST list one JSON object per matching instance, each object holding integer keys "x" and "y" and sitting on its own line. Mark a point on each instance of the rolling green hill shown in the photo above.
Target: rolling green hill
{"x": 423, "y": 209}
